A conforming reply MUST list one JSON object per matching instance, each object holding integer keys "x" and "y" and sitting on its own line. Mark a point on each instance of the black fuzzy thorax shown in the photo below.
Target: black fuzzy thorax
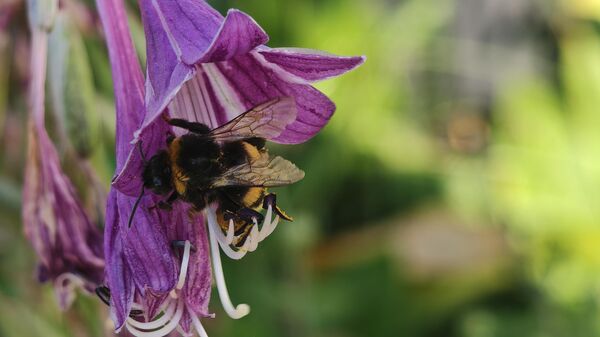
{"x": 199, "y": 157}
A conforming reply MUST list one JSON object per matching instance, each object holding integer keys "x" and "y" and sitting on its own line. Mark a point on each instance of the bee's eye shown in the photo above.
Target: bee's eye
{"x": 156, "y": 181}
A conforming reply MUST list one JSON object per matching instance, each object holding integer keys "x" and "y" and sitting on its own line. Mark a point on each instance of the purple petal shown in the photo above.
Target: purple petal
{"x": 221, "y": 91}
{"x": 151, "y": 302}
{"x": 251, "y": 83}
{"x": 210, "y": 70}
{"x": 186, "y": 323}
{"x": 165, "y": 70}
{"x": 194, "y": 35}
{"x": 65, "y": 240}
{"x": 190, "y": 26}
{"x": 145, "y": 245}
{"x": 189, "y": 225}
{"x": 311, "y": 65}
{"x": 118, "y": 274}
{"x": 238, "y": 35}
{"x": 127, "y": 75}
{"x": 197, "y": 100}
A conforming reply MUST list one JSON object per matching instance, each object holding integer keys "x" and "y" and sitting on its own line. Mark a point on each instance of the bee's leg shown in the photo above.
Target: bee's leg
{"x": 258, "y": 142}
{"x": 190, "y": 126}
{"x": 271, "y": 200}
{"x": 243, "y": 235}
{"x": 249, "y": 215}
{"x": 243, "y": 220}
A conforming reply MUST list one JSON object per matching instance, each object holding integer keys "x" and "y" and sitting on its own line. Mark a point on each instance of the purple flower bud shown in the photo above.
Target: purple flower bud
{"x": 67, "y": 244}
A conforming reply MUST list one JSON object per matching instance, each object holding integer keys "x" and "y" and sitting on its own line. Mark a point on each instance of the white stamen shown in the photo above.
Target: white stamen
{"x": 215, "y": 230}
{"x": 184, "y": 265}
{"x": 266, "y": 224}
{"x": 198, "y": 326}
{"x": 230, "y": 232}
{"x": 253, "y": 237}
{"x": 168, "y": 314}
{"x": 268, "y": 227}
{"x": 242, "y": 309}
{"x": 69, "y": 280}
{"x": 165, "y": 330}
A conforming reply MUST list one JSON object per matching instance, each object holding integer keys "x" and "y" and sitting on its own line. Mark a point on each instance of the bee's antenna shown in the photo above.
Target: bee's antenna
{"x": 135, "y": 206}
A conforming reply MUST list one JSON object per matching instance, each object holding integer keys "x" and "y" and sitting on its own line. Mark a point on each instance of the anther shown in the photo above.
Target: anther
{"x": 181, "y": 244}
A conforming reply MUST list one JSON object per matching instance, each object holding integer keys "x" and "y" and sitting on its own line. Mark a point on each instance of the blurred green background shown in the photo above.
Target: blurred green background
{"x": 455, "y": 193}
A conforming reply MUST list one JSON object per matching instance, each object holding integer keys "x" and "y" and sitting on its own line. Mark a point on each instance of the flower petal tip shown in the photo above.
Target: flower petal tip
{"x": 238, "y": 35}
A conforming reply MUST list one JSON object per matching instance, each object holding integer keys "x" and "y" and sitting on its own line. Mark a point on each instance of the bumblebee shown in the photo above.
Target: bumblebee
{"x": 228, "y": 165}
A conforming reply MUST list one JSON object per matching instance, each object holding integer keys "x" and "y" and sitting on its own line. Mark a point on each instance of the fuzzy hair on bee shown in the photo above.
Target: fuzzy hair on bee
{"x": 228, "y": 165}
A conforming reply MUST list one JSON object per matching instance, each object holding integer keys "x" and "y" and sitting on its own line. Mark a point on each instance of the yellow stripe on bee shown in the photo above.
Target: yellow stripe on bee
{"x": 251, "y": 151}
{"x": 253, "y": 197}
{"x": 178, "y": 177}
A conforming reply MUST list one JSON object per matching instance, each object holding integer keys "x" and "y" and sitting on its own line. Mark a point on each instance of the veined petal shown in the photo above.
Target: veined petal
{"x": 118, "y": 275}
{"x": 251, "y": 83}
{"x": 127, "y": 76}
{"x": 186, "y": 323}
{"x": 311, "y": 65}
{"x": 189, "y": 25}
{"x": 141, "y": 257}
{"x": 220, "y": 91}
{"x": 166, "y": 72}
{"x": 152, "y": 303}
{"x": 193, "y": 39}
{"x": 238, "y": 35}
{"x": 190, "y": 226}
{"x": 65, "y": 240}
{"x": 146, "y": 246}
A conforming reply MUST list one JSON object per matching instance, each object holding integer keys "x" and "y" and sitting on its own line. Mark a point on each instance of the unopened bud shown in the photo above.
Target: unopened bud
{"x": 71, "y": 86}
{"x": 42, "y": 14}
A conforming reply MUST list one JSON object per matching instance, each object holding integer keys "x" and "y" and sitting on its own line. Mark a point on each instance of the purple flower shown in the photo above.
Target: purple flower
{"x": 67, "y": 244}
{"x": 206, "y": 69}
{"x": 141, "y": 268}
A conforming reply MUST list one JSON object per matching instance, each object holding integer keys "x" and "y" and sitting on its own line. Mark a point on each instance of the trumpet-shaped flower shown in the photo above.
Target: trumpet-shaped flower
{"x": 67, "y": 244}
{"x": 202, "y": 68}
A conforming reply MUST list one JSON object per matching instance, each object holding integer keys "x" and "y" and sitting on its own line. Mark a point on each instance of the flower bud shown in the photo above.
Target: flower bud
{"x": 42, "y": 14}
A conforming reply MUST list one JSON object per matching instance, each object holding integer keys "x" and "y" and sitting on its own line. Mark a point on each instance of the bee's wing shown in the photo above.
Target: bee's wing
{"x": 264, "y": 172}
{"x": 266, "y": 120}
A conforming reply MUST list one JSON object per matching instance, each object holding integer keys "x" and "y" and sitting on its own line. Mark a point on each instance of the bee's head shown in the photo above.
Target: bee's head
{"x": 157, "y": 173}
